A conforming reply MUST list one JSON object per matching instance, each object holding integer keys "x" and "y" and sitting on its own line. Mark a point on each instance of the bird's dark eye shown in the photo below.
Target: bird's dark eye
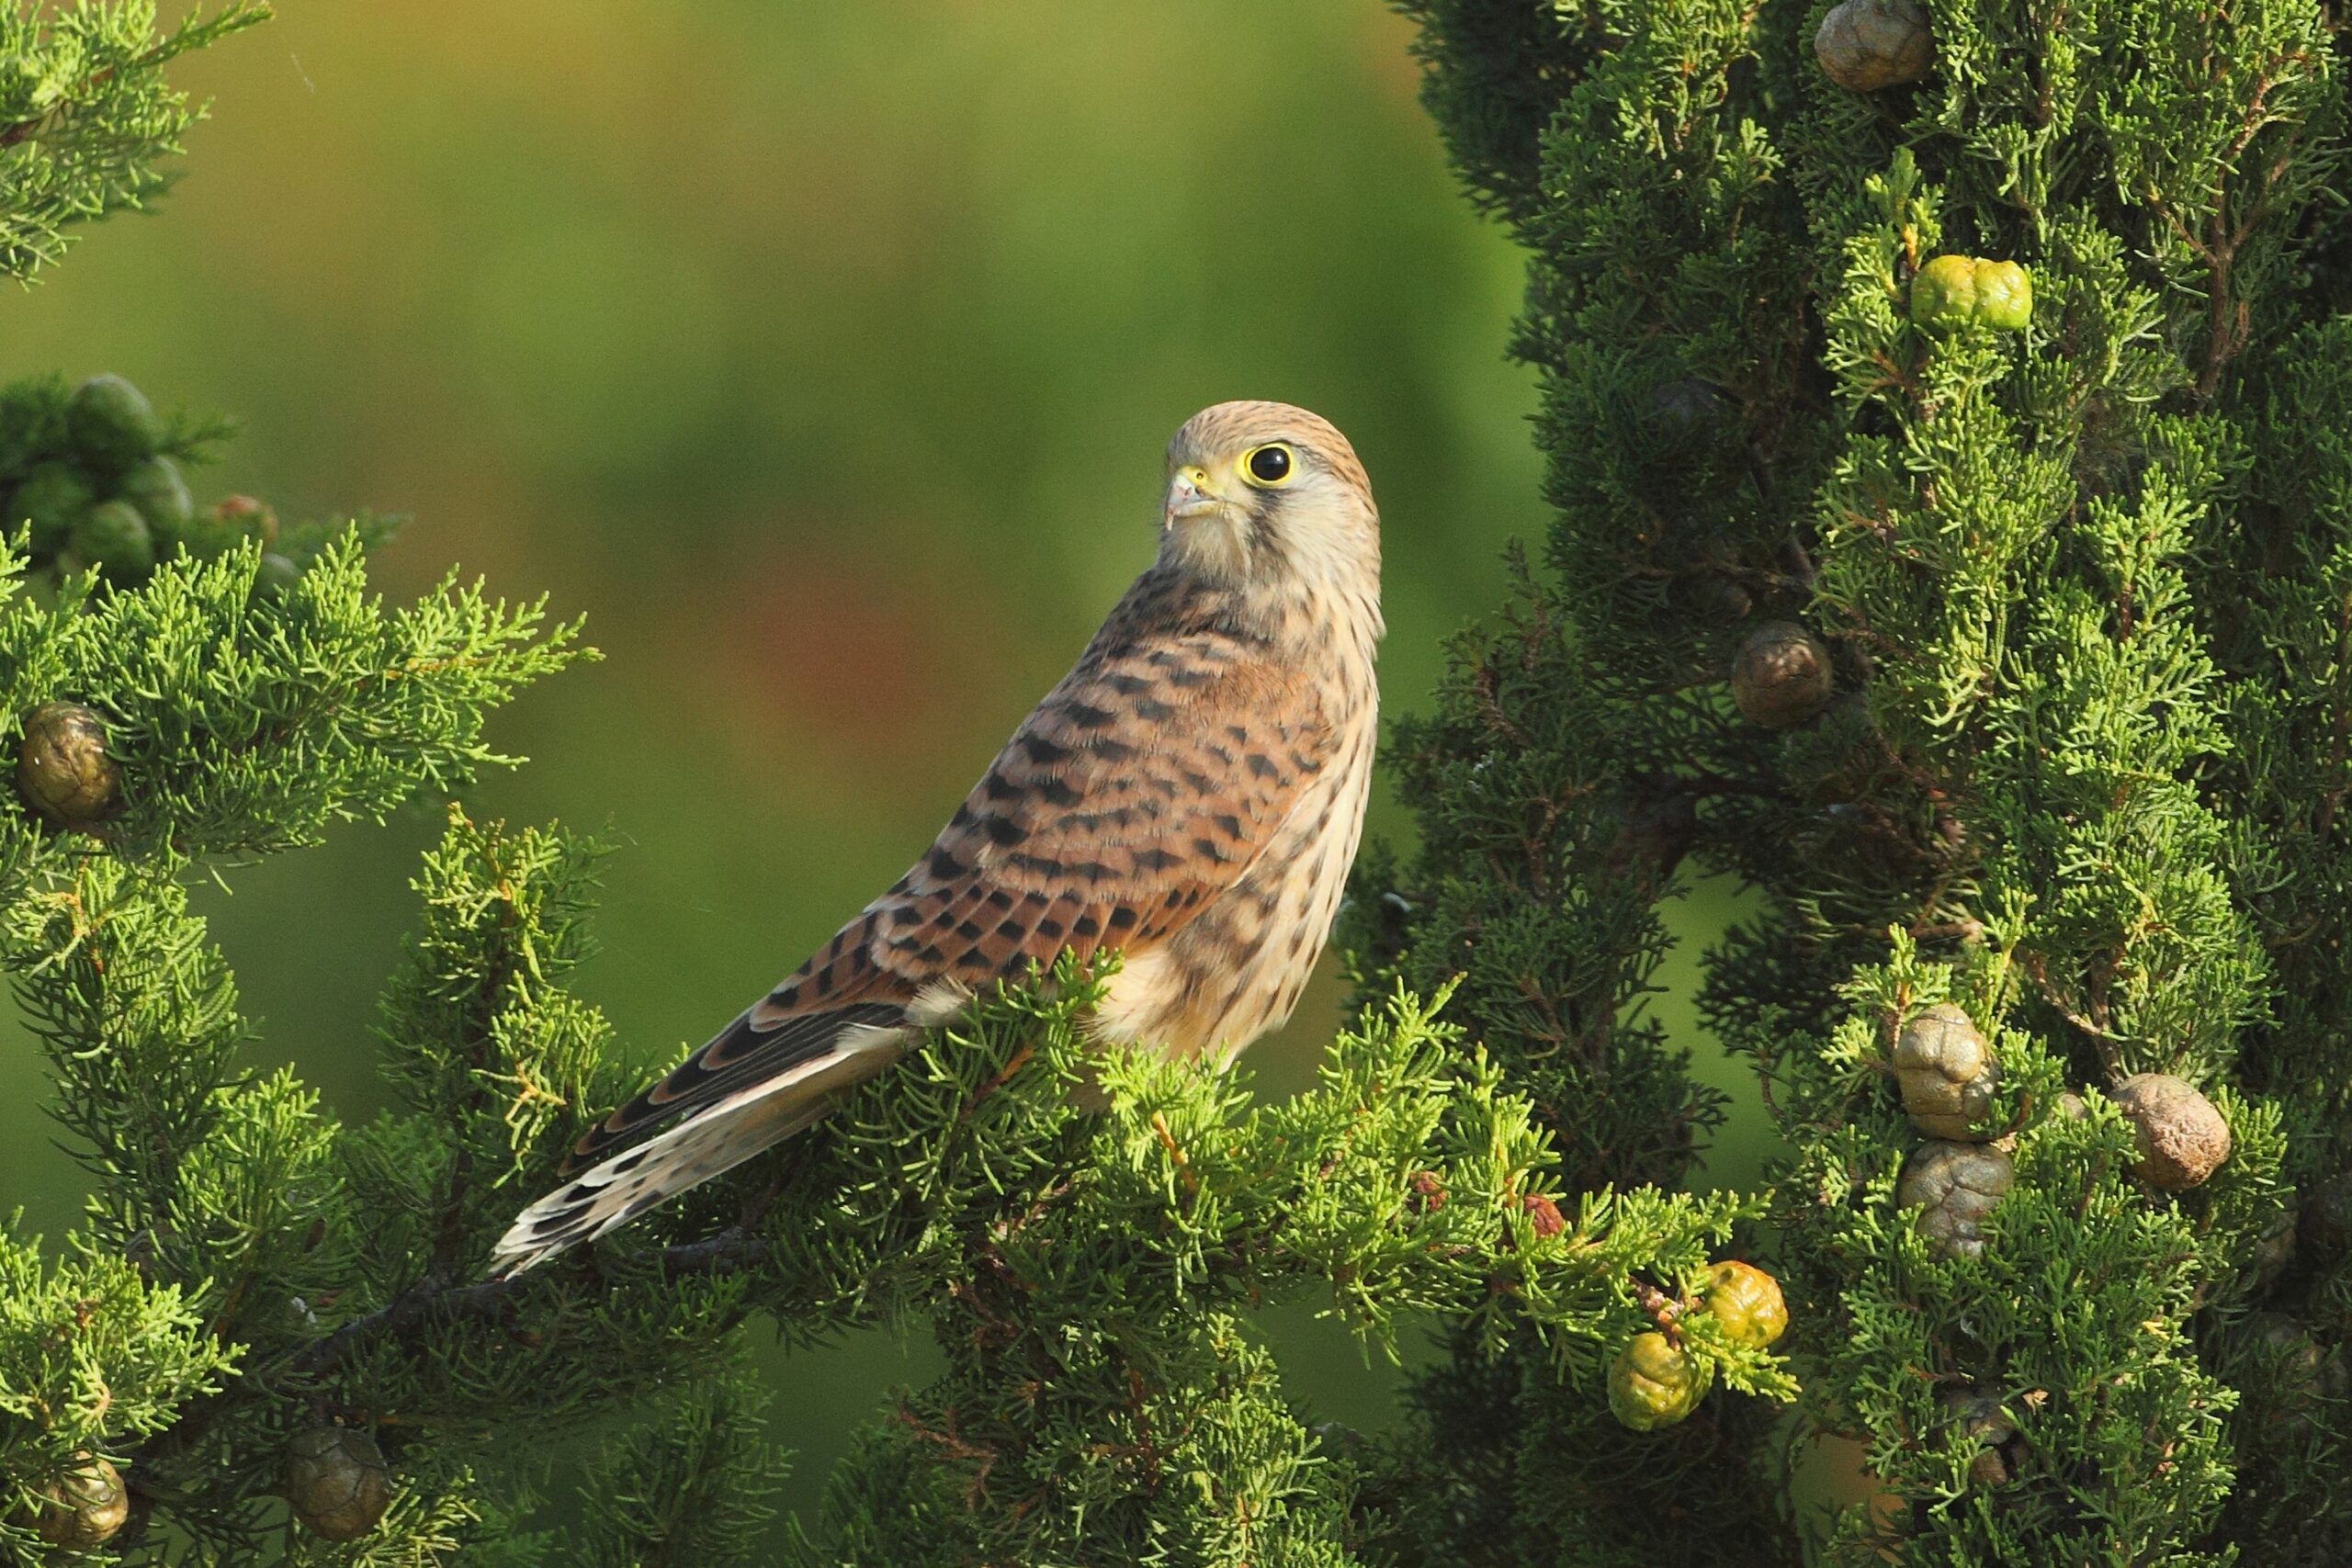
{"x": 1269, "y": 465}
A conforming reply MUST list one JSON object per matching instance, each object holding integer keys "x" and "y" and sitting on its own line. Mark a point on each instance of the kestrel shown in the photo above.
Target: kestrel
{"x": 1190, "y": 794}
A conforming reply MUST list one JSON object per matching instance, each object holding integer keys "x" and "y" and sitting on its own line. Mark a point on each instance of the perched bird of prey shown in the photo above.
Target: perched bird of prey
{"x": 1190, "y": 794}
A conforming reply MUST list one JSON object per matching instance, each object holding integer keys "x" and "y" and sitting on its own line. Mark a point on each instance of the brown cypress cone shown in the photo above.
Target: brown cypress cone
{"x": 338, "y": 1481}
{"x": 1868, "y": 44}
{"x": 83, "y": 1506}
{"x": 1782, "y": 676}
{"x": 2182, "y": 1139}
{"x": 1954, "y": 1187}
{"x": 1947, "y": 1074}
{"x": 63, "y": 768}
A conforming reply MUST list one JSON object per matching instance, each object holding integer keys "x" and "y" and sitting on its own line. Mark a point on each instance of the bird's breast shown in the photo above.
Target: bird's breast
{"x": 1236, "y": 970}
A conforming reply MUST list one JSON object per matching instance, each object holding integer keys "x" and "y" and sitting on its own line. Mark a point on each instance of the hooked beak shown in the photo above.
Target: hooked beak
{"x": 1189, "y": 496}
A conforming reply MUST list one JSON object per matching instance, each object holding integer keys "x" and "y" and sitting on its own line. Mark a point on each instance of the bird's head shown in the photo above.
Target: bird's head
{"x": 1268, "y": 496}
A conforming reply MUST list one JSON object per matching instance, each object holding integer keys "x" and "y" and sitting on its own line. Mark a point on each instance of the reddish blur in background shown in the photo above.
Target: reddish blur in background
{"x": 822, "y": 356}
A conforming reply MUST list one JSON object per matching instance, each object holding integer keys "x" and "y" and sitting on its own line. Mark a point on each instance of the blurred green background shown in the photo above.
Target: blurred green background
{"x": 822, "y": 356}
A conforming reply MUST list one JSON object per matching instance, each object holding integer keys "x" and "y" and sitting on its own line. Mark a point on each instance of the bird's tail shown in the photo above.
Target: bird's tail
{"x": 716, "y": 1139}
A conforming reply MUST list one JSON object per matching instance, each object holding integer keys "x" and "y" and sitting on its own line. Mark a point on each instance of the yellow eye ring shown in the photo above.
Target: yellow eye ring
{"x": 1269, "y": 467}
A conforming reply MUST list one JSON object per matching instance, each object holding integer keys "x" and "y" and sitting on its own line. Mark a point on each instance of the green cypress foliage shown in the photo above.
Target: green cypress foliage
{"x": 86, "y": 116}
{"x": 1987, "y": 624}
{"x": 269, "y": 1338}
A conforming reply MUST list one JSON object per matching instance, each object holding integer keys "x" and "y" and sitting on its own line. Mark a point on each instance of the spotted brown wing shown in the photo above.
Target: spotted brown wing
{"x": 1144, "y": 786}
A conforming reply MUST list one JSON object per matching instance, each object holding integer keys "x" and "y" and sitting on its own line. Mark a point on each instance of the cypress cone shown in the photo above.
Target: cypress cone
{"x": 1781, "y": 677}
{"x": 63, "y": 768}
{"x": 2182, "y": 1138}
{"x": 338, "y": 1481}
{"x": 83, "y": 1506}
{"x": 1869, "y": 44}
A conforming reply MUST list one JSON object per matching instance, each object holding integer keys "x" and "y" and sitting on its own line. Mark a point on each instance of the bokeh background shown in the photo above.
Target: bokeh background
{"x": 822, "y": 356}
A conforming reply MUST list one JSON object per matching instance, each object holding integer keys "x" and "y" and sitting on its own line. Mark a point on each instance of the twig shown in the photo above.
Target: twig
{"x": 398, "y": 1318}
{"x": 1664, "y": 1310}
{"x": 1176, "y": 1155}
{"x": 731, "y": 1251}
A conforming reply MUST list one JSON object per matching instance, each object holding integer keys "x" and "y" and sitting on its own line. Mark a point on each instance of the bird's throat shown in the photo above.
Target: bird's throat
{"x": 1212, "y": 548}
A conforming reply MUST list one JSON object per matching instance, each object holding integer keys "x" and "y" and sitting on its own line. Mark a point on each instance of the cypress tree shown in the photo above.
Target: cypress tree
{"x": 1943, "y": 403}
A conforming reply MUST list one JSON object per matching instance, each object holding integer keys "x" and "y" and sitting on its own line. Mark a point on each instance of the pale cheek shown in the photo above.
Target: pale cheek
{"x": 1324, "y": 541}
